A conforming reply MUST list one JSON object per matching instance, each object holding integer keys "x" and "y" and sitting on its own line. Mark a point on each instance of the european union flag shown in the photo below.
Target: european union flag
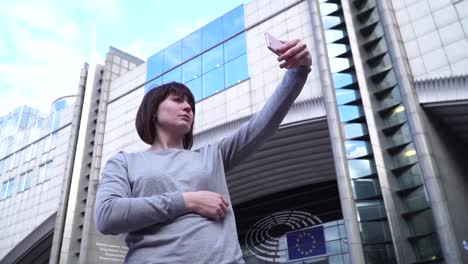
{"x": 306, "y": 243}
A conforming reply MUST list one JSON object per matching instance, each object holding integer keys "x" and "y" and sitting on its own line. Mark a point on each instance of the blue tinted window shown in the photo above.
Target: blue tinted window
{"x": 191, "y": 69}
{"x": 349, "y": 112}
{"x": 236, "y": 70}
{"x": 213, "y": 81}
{"x": 154, "y": 66}
{"x": 330, "y": 21}
{"x": 212, "y": 58}
{"x": 212, "y": 33}
{"x": 354, "y": 130}
{"x": 56, "y": 120}
{"x": 356, "y": 148}
{"x": 332, "y": 35}
{"x": 172, "y": 76}
{"x": 339, "y": 64}
{"x": 234, "y": 47}
{"x": 360, "y": 168}
{"x": 191, "y": 45}
{"x": 334, "y": 49}
{"x": 233, "y": 22}
{"x": 172, "y": 55}
{"x": 366, "y": 188}
{"x": 195, "y": 86}
{"x": 342, "y": 79}
{"x": 344, "y": 96}
{"x": 327, "y": 8}
{"x": 153, "y": 84}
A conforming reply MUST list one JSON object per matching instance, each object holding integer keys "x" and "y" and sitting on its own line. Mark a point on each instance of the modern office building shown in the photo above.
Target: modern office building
{"x": 33, "y": 162}
{"x": 368, "y": 165}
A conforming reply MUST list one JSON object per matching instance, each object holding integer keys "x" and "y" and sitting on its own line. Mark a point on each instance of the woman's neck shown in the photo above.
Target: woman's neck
{"x": 165, "y": 140}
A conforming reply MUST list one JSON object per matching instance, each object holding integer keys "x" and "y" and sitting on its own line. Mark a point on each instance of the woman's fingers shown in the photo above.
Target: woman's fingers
{"x": 295, "y": 54}
{"x": 287, "y": 45}
{"x": 292, "y": 50}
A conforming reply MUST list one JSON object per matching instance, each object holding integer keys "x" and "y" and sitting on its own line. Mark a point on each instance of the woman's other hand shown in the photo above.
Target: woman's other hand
{"x": 294, "y": 53}
{"x": 208, "y": 204}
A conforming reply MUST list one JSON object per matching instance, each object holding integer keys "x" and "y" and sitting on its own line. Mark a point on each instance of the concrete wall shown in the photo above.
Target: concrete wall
{"x": 450, "y": 155}
{"x": 435, "y": 36}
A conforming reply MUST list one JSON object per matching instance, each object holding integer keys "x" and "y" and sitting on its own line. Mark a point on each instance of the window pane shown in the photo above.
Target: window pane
{"x": 191, "y": 69}
{"x": 332, "y": 35}
{"x": 341, "y": 80}
{"x": 410, "y": 178}
{"x": 196, "y": 88}
{"x": 21, "y": 181}
{"x": 360, "y": 168}
{"x": 172, "y": 55}
{"x": 330, "y": 21}
{"x": 27, "y": 182}
{"x": 213, "y": 81}
{"x": 191, "y": 45}
{"x": 402, "y": 136}
{"x": 370, "y": 210}
{"x": 374, "y": 232}
{"x": 416, "y": 200}
{"x": 427, "y": 247}
{"x": 212, "y": 59}
{"x": 236, "y": 70}
{"x": 172, "y": 76}
{"x": 212, "y": 33}
{"x": 365, "y": 188}
{"x": 331, "y": 233}
{"x": 339, "y": 64}
{"x": 153, "y": 84}
{"x": 154, "y": 66}
{"x": 379, "y": 254}
{"x": 4, "y": 189}
{"x": 333, "y": 247}
{"x": 327, "y": 8}
{"x": 10, "y": 188}
{"x": 234, "y": 47}
{"x": 344, "y": 96}
{"x": 354, "y": 130}
{"x": 334, "y": 49}
{"x": 41, "y": 174}
{"x": 357, "y": 148}
{"x": 421, "y": 223}
{"x": 349, "y": 112}
{"x": 233, "y": 22}
{"x": 406, "y": 156}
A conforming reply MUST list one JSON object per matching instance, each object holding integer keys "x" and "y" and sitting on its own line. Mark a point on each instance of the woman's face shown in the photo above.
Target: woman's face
{"x": 175, "y": 115}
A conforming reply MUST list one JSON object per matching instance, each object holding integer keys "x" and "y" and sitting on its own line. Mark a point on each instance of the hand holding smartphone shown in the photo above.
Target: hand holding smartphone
{"x": 273, "y": 43}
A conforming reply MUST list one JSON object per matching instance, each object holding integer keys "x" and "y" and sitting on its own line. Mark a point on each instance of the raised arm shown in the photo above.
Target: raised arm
{"x": 296, "y": 58}
{"x": 117, "y": 212}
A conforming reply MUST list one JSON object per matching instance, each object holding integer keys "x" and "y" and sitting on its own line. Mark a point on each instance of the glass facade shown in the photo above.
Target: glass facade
{"x": 207, "y": 61}
{"x": 400, "y": 155}
{"x": 371, "y": 212}
{"x": 24, "y": 135}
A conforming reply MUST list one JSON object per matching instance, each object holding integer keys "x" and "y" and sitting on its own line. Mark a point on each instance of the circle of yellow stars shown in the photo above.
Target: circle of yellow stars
{"x": 304, "y": 250}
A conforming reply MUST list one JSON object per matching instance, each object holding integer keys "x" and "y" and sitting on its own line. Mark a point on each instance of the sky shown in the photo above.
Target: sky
{"x": 44, "y": 44}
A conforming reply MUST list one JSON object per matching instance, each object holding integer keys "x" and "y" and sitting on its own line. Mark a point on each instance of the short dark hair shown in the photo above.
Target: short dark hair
{"x": 145, "y": 121}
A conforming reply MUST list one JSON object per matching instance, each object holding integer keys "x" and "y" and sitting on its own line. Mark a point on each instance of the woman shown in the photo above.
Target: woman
{"x": 172, "y": 203}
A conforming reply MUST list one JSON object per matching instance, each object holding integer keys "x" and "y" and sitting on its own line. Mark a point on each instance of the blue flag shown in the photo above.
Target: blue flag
{"x": 306, "y": 243}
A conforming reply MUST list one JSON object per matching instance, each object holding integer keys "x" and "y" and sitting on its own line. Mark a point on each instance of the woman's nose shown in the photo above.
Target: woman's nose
{"x": 187, "y": 107}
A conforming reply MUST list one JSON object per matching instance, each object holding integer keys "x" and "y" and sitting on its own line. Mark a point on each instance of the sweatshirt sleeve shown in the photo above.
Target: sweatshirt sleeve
{"x": 263, "y": 124}
{"x": 116, "y": 212}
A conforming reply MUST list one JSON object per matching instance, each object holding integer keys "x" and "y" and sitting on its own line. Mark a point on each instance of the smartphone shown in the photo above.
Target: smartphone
{"x": 273, "y": 43}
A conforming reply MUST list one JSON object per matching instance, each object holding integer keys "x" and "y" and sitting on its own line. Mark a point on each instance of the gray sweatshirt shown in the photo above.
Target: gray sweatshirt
{"x": 140, "y": 194}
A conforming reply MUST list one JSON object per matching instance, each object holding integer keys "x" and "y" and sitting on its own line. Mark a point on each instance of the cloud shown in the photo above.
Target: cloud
{"x": 143, "y": 48}
{"x": 41, "y": 57}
